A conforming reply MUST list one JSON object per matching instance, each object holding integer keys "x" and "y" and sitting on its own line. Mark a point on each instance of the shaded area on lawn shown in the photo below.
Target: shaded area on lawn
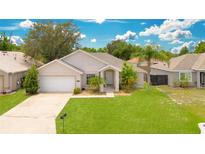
{"x": 191, "y": 99}
{"x": 145, "y": 111}
{"x": 9, "y": 101}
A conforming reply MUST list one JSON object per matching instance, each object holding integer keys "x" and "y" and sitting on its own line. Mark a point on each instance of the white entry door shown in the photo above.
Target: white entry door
{"x": 57, "y": 83}
{"x": 109, "y": 77}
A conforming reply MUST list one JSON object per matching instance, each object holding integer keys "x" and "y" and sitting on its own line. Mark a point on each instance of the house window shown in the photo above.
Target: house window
{"x": 183, "y": 76}
{"x": 89, "y": 76}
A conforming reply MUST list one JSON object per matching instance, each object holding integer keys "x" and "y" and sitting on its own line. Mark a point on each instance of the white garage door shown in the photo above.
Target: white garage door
{"x": 57, "y": 83}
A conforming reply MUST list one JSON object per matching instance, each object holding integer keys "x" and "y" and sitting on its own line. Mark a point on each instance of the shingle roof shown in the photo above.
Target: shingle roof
{"x": 11, "y": 62}
{"x": 109, "y": 59}
{"x": 161, "y": 66}
{"x": 185, "y": 62}
{"x": 116, "y": 62}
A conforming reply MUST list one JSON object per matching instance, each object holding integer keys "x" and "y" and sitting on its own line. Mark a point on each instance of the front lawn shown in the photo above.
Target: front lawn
{"x": 191, "y": 99}
{"x": 145, "y": 111}
{"x": 9, "y": 101}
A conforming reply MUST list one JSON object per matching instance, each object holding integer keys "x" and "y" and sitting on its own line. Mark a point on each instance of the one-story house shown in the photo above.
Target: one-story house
{"x": 13, "y": 66}
{"x": 75, "y": 69}
{"x": 189, "y": 66}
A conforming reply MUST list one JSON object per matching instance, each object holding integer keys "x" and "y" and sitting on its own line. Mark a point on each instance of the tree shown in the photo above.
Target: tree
{"x": 148, "y": 53}
{"x": 31, "y": 81}
{"x": 48, "y": 41}
{"x": 200, "y": 47}
{"x": 167, "y": 55}
{"x": 120, "y": 49}
{"x": 128, "y": 76}
{"x": 184, "y": 50}
{"x": 89, "y": 49}
{"x": 95, "y": 82}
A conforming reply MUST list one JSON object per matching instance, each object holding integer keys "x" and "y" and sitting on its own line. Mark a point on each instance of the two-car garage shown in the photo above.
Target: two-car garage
{"x": 57, "y": 83}
{"x": 57, "y": 76}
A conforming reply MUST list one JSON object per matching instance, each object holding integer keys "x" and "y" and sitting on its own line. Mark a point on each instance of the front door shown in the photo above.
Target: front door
{"x": 202, "y": 79}
{"x": 109, "y": 77}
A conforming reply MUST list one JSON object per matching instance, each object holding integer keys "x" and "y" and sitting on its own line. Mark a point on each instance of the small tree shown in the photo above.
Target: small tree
{"x": 31, "y": 81}
{"x": 96, "y": 82}
{"x": 184, "y": 50}
{"x": 128, "y": 76}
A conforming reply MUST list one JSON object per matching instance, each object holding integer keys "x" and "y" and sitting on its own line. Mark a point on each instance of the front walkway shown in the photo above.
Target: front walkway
{"x": 36, "y": 114}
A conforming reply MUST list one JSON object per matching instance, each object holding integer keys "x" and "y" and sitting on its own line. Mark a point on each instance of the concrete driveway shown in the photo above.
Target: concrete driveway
{"x": 35, "y": 115}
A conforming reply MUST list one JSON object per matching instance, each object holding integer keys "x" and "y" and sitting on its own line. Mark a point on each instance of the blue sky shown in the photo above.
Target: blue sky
{"x": 169, "y": 34}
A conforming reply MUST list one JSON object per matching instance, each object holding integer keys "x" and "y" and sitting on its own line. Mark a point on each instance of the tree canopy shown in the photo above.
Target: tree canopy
{"x": 48, "y": 41}
{"x": 184, "y": 50}
{"x": 200, "y": 47}
{"x": 148, "y": 53}
{"x": 120, "y": 49}
{"x": 6, "y": 45}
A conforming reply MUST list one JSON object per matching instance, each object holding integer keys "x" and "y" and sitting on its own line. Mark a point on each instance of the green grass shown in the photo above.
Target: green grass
{"x": 9, "y": 101}
{"x": 146, "y": 111}
{"x": 191, "y": 99}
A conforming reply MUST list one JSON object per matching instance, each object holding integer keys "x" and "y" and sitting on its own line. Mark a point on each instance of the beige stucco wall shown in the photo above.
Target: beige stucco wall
{"x": 173, "y": 76}
{"x": 57, "y": 69}
{"x": 10, "y": 81}
{"x": 140, "y": 79}
{"x": 84, "y": 62}
{"x": 16, "y": 78}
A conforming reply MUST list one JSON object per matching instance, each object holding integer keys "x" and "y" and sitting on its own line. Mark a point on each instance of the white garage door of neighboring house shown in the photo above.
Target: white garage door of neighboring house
{"x": 57, "y": 83}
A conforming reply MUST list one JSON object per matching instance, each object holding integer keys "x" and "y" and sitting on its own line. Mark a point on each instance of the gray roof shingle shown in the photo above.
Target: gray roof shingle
{"x": 11, "y": 62}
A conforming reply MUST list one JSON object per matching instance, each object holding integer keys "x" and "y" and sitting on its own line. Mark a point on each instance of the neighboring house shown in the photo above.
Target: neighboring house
{"x": 75, "y": 69}
{"x": 13, "y": 66}
{"x": 190, "y": 66}
{"x": 140, "y": 62}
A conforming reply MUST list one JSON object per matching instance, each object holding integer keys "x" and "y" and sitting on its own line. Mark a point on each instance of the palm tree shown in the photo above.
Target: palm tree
{"x": 148, "y": 53}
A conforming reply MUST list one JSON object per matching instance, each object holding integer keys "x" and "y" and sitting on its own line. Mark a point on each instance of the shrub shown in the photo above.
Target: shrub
{"x": 128, "y": 76}
{"x": 176, "y": 84}
{"x": 95, "y": 82}
{"x": 77, "y": 91}
{"x": 31, "y": 81}
{"x": 184, "y": 84}
{"x": 146, "y": 85}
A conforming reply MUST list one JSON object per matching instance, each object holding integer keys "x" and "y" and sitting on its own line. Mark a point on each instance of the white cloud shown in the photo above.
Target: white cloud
{"x": 143, "y": 23}
{"x": 167, "y": 26}
{"x": 138, "y": 44}
{"x": 176, "y": 35}
{"x": 190, "y": 45}
{"x": 129, "y": 35}
{"x": 148, "y": 41}
{"x": 93, "y": 40}
{"x": 98, "y": 21}
{"x": 26, "y": 24}
{"x": 82, "y": 36}
{"x": 176, "y": 42}
{"x": 16, "y": 40}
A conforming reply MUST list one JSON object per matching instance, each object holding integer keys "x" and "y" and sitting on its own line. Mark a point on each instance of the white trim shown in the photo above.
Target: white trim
{"x": 185, "y": 72}
{"x": 199, "y": 70}
{"x": 66, "y": 65}
{"x": 115, "y": 68}
{"x": 84, "y": 53}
